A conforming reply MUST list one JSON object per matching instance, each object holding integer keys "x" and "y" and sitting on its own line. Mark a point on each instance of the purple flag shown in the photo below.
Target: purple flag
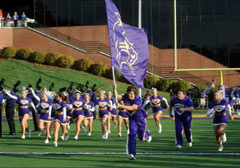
{"x": 129, "y": 47}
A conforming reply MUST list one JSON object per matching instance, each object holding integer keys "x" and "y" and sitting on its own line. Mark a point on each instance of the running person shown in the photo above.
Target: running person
{"x": 112, "y": 112}
{"x": 137, "y": 119}
{"x": 78, "y": 113}
{"x": 122, "y": 116}
{"x": 24, "y": 113}
{"x": 182, "y": 107}
{"x": 60, "y": 117}
{"x": 102, "y": 107}
{"x": 88, "y": 108}
{"x": 155, "y": 101}
{"x": 219, "y": 109}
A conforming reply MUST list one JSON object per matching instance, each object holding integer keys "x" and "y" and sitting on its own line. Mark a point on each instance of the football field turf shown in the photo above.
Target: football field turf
{"x": 94, "y": 152}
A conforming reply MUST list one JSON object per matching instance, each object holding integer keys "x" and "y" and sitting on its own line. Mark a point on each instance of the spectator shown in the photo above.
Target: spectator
{"x": 8, "y": 19}
{"x": 24, "y": 19}
{"x": 213, "y": 84}
{"x": 202, "y": 102}
{"x": 15, "y": 19}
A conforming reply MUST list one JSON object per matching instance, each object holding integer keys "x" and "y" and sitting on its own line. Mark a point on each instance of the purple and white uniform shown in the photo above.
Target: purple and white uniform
{"x": 45, "y": 110}
{"x": 78, "y": 107}
{"x": 182, "y": 119}
{"x": 60, "y": 112}
{"x": 23, "y": 105}
{"x": 156, "y": 103}
{"x": 113, "y": 104}
{"x": 88, "y": 109}
{"x": 137, "y": 123}
{"x": 123, "y": 113}
{"x": 221, "y": 109}
{"x": 102, "y": 106}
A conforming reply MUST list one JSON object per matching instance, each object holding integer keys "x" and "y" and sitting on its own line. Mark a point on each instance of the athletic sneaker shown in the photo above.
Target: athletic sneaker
{"x": 76, "y": 137}
{"x": 62, "y": 138}
{"x": 46, "y": 141}
{"x": 105, "y": 136}
{"x": 108, "y": 131}
{"x": 89, "y": 134}
{"x": 84, "y": 129}
{"x": 119, "y": 134}
{"x": 179, "y": 146}
{"x": 50, "y": 137}
{"x": 66, "y": 137}
{"x": 128, "y": 132}
{"x": 68, "y": 126}
{"x": 190, "y": 144}
{"x": 55, "y": 144}
{"x": 40, "y": 133}
{"x": 23, "y": 137}
{"x": 159, "y": 128}
{"x": 29, "y": 134}
{"x": 220, "y": 149}
{"x": 149, "y": 139}
{"x": 224, "y": 138}
{"x": 132, "y": 157}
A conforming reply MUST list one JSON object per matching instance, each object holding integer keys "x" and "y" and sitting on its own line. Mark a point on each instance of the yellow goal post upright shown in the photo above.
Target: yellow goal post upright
{"x": 197, "y": 69}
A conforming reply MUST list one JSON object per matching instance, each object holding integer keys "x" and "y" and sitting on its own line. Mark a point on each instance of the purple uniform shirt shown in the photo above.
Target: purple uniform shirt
{"x": 89, "y": 114}
{"x": 23, "y": 105}
{"x": 156, "y": 103}
{"x": 103, "y": 107}
{"x": 59, "y": 115}
{"x": 78, "y": 107}
{"x": 177, "y": 103}
{"x": 44, "y": 110}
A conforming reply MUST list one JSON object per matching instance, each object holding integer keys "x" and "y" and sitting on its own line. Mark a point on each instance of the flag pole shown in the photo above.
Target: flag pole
{"x": 114, "y": 83}
{"x": 140, "y": 26}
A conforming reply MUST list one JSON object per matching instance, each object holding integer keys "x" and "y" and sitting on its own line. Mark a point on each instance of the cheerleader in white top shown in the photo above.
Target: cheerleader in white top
{"x": 88, "y": 109}
{"x": 219, "y": 109}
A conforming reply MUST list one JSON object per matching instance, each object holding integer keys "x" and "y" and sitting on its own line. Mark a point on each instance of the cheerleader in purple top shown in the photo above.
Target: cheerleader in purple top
{"x": 112, "y": 112}
{"x": 102, "y": 107}
{"x": 155, "y": 101}
{"x": 88, "y": 108}
{"x": 24, "y": 114}
{"x": 78, "y": 113}
{"x": 180, "y": 110}
{"x": 122, "y": 116}
{"x": 219, "y": 109}
{"x": 60, "y": 118}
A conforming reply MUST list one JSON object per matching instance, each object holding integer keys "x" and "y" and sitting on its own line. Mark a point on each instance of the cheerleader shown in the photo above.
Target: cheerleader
{"x": 78, "y": 113}
{"x": 122, "y": 116}
{"x": 60, "y": 118}
{"x": 155, "y": 101}
{"x": 88, "y": 108}
{"x": 24, "y": 113}
{"x": 219, "y": 109}
{"x": 112, "y": 112}
{"x": 133, "y": 105}
{"x": 45, "y": 110}
{"x": 102, "y": 107}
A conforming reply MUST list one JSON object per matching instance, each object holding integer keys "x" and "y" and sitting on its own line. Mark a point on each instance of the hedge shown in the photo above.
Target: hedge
{"x": 109, "y": 74}
{"x": 151, "y": 81}
{"x": 23, "y": 53}
{"x": 65, "y": 61}
{"x": 52, "y": 57}
{"x": 83, "y": 64}
{"x": 98, "y": 69}
{"x": 37, "y": 57}
{"x": 8, "y": 52}
{"x": 163, "y": 84}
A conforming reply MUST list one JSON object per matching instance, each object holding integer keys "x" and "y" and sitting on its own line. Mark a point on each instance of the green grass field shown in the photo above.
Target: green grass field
{"x": 204, "y": 142}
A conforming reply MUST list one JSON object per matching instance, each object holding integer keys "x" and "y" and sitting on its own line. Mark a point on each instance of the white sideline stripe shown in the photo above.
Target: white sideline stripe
{"x": 117, "y": 153}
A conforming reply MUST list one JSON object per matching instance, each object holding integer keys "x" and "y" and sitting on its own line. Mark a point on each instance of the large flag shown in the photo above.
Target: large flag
{"x": 129, "y": 47}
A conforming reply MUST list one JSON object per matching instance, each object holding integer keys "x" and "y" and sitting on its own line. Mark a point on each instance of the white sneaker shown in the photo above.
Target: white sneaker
{"x": 29, "y": 134}
{"x": 46, "y": 141}
{"x": 128, "y": 132}
{"x": 68, "y": 126}
{"x": 84, "y": 129}
{"x": 149, "y": 139}
{"x": 105, "y": 136}
{"x": 190, "y": 144}
{"x": 119, "y": 134}
{"x": 89, "y": 134}
{"x": 220, "y": 149}
{"x": 159, "y": 128}
{"x": 76, "y": 137}
{"x": 62, "y": 138}
{"x": 50, "y": 137}
{"x": 224, "y": 138}
{"x": 179, "y": 146}
{"x": 23, "y": 137}
{"x": 66, "y": 137}
{"x": 40, "y": 133}
{"x": 108, "y": 131}
{"x": 55, "y": 144}
{"x": 131, "y": 157}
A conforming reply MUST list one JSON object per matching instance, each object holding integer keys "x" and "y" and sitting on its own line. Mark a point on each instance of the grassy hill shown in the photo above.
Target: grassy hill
{"x": 13, "y": 70}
